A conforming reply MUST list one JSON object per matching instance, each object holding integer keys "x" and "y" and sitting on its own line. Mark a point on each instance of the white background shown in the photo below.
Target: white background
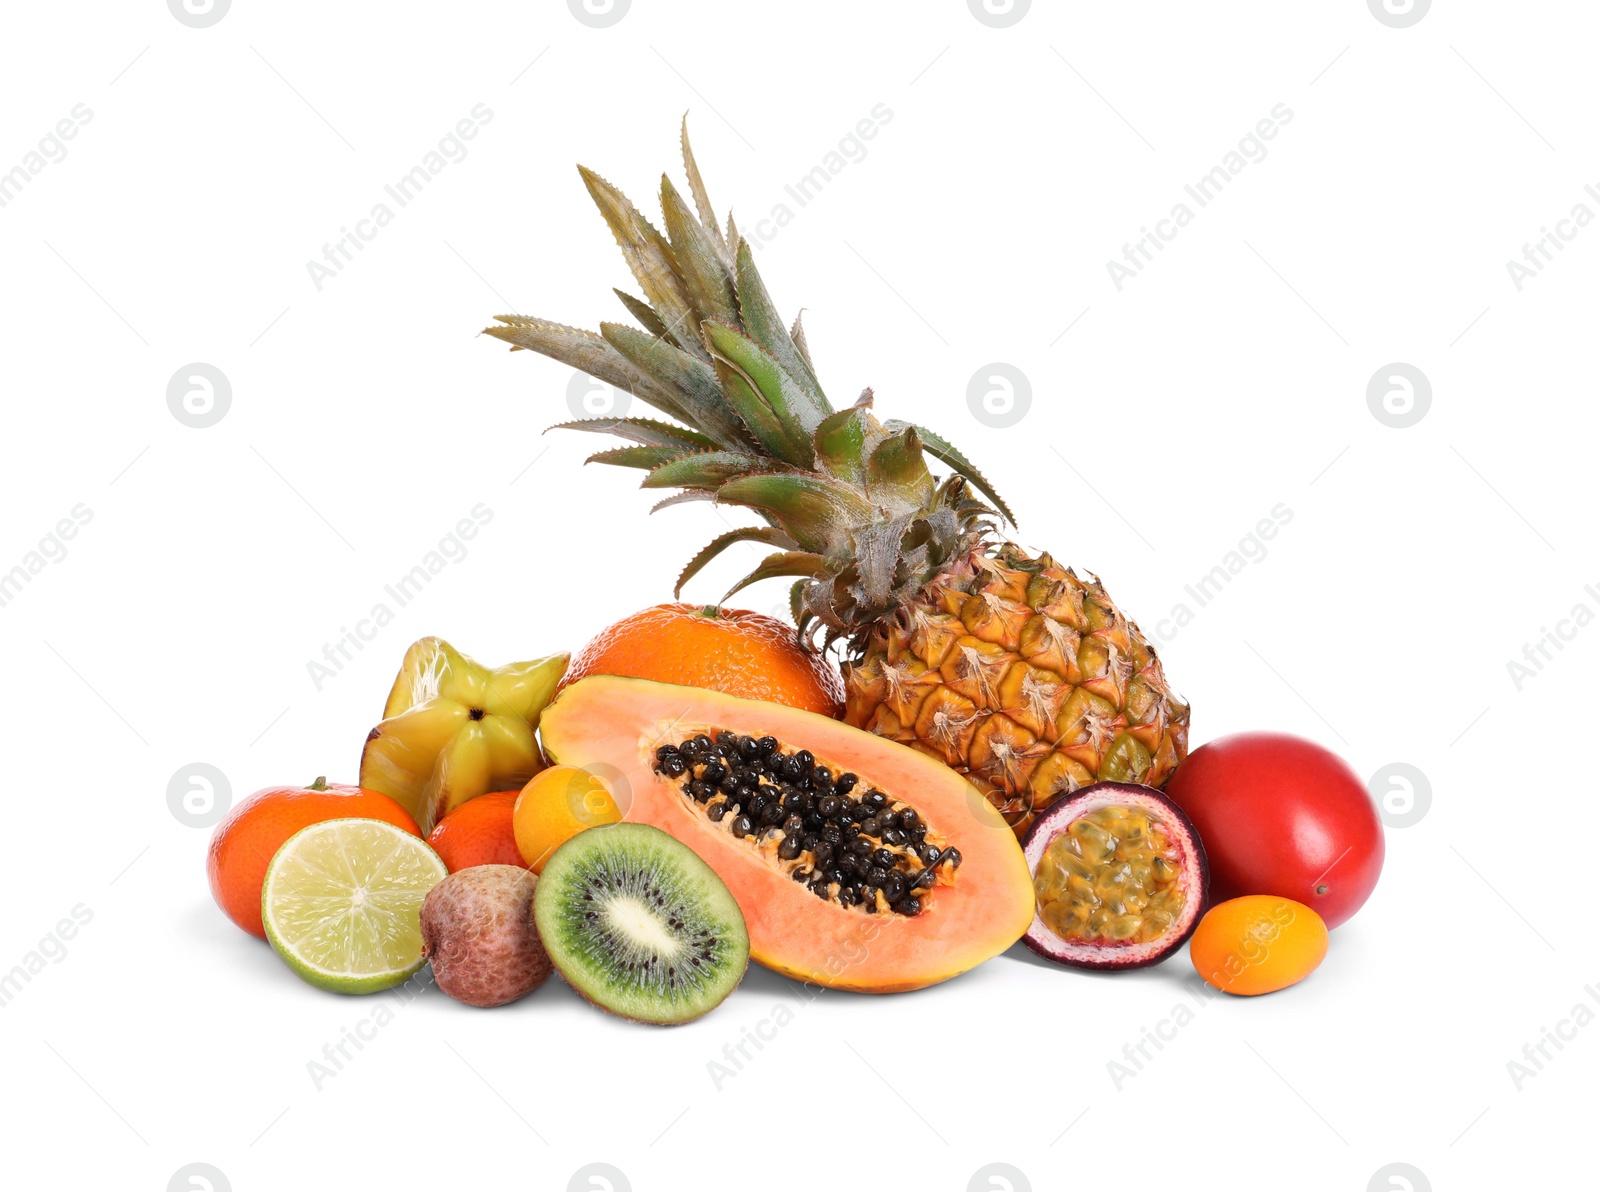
{"x": 367, "y": 417}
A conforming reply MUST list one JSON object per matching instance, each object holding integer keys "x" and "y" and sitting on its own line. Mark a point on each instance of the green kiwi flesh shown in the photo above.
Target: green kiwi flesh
{"x": 640, "y": 925}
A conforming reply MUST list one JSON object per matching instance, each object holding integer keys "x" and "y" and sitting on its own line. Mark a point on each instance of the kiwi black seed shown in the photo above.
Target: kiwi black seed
{"x": 640, "y": 925}
{"x": 852, "y": 841}
{"x": 478, "y": 930}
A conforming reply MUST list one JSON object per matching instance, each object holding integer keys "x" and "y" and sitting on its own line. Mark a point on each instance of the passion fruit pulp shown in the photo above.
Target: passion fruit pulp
{"x": 1119, "y": 878}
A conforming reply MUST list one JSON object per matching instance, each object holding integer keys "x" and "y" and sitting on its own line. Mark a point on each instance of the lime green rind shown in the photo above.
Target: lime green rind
{"x": 558, "y": 907}
{"x": 310, "y": 884}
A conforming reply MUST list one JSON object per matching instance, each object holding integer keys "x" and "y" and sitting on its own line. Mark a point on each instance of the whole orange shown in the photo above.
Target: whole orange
{"x": 251, "y": 834}
{"x": 478, "y": 832}
{"x": 750, "y": 655}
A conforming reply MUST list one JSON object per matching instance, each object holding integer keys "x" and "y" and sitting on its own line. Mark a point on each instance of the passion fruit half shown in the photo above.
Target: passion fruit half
{"x": 1119, "y": 878}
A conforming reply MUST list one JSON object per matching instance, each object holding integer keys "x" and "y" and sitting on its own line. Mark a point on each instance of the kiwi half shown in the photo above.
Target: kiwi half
{"x": 640, "y": 925}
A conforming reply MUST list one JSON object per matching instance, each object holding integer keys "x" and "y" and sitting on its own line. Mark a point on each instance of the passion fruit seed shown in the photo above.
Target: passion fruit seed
{"x": 1111, "y": 876}
{"x": 849, "y": 844}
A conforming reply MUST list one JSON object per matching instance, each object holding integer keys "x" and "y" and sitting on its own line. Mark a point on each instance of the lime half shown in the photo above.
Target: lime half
{"x": 342, "y": 903}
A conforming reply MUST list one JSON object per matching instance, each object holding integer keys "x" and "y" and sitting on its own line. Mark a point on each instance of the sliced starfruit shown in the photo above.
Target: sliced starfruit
{"x": 454, "y": 729}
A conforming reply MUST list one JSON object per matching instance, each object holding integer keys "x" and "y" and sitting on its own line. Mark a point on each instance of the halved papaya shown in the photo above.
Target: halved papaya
{"x": 858, "y": 862}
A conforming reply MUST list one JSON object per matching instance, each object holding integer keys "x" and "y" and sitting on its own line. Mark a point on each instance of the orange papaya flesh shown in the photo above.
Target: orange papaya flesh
{"x": 978, "y": 902}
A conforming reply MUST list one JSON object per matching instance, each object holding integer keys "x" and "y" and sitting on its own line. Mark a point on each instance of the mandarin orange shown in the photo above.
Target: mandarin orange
{"x": 251, "y": 834}
{"x": 478, "y": 832}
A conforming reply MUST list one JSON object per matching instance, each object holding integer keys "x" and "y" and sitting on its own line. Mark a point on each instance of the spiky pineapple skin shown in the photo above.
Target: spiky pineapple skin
{"x": 1023, "y": 676}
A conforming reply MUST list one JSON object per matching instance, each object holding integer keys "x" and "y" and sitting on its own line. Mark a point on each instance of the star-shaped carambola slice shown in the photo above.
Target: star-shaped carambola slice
{"x": 454, "y": 729}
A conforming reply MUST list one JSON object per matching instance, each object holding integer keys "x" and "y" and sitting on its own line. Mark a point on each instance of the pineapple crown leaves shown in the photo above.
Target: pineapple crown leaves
{"x": 851, "y": 508}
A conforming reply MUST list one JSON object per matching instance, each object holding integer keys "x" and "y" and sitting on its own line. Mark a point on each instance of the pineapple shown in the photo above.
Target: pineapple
{"x": 1008, "y": 667}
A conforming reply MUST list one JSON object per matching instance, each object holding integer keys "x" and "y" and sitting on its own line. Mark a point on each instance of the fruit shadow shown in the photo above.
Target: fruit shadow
{"x": 1167, "y": 972}
{"x": 209, "y": 932}
{"x": 765, "y": 983}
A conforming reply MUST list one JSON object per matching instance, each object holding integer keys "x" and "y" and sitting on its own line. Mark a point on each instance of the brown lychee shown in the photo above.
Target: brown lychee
{"x": 478, "y": 930}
